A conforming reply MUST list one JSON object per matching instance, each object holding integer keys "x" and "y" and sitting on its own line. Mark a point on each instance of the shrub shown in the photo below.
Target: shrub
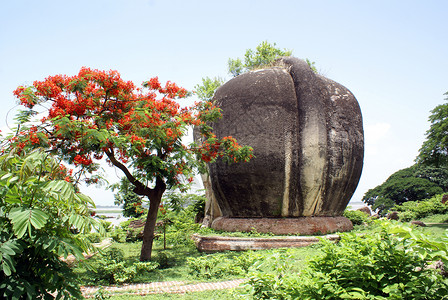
{"x": 118, "y": 235}
{"x": 94, "y": 237}
{"x": 375, "y": 266}
{"x": 181, "y": 226}
{"x": 39, "y": 210}
{"x": 221, "y": 264}
{"x": 357, "y": 217}
{"x": 419, "y": 209}
{"x": 164, "y": 259}
{"x": 111, "y": 268}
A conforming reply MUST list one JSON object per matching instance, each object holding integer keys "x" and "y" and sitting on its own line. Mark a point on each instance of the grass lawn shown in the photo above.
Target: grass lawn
{"x": 439, "y": 218}
{"x": 438, "y": 230}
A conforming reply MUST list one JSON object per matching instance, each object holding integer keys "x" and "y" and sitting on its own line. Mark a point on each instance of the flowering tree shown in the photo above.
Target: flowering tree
{"x": 137, "y": 129}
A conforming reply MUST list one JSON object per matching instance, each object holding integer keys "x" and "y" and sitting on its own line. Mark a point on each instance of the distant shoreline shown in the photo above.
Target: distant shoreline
{"x": 115, "y": 209}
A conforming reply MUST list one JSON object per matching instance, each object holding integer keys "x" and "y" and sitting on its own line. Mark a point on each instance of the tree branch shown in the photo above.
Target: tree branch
{"x": 140, "y": 188}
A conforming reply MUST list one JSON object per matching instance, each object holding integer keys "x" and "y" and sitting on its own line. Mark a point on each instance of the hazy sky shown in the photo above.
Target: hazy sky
{"x": 393, "y": 55}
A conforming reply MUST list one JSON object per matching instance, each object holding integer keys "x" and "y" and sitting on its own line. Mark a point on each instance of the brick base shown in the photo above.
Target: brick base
{"x": 298, "y": 226}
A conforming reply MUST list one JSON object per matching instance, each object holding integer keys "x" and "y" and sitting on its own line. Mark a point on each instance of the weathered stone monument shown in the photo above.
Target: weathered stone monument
{"x": 307, "y": 135}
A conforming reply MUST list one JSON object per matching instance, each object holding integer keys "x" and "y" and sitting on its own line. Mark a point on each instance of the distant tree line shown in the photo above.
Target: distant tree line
{"x": 426, "y": 178}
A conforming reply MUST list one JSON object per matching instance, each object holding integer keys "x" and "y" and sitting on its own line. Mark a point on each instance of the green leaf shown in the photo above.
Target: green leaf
{"x": 60, "y": 188}
{"x": 6, "y": 267}
{"x": 23, "y": 219}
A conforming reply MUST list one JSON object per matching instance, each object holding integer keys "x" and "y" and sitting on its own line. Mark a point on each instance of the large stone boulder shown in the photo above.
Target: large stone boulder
{"x": 307, "y": 135}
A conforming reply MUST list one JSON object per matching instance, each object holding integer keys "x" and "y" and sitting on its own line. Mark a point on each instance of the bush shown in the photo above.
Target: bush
{"x": 111, "y": 268}
{"x": 94, "y": 237}
{"x": 357, "y": 217}
{"x": 221, "y": 264}
{"x": 118, "y": 235}
{"x": 39, "y": 210}
{"x": 181, "y": 226}
{"x": 375, "y": 266}
{"x": 419, "y": 209}
{"x": 164, "y": 259}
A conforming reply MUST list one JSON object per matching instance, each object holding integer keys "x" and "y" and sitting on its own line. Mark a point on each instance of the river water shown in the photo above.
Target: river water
{"x": 116, "y": 217}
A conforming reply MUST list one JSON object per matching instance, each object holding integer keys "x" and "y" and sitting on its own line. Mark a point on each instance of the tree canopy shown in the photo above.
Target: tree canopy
{"x": 415, "y": 183}
{"x": 434, "y": 150}
{"x": 138, "y": 129}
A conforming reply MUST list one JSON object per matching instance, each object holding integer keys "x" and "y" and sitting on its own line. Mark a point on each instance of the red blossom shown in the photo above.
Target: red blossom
{"x": 97, "y": 111}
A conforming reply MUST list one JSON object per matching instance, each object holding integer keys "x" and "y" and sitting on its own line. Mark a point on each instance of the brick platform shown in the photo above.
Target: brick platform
{"x": 211, "y": 244}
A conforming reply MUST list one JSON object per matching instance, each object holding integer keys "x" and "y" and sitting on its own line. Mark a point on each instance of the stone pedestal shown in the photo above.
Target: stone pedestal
{"x": 298, "y": 226}
{"x": 226, "y": 243}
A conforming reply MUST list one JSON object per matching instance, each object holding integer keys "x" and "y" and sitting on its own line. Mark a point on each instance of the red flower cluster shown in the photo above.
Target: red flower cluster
{"x": 96, "y": 111}
{"x": 82, "y": 160}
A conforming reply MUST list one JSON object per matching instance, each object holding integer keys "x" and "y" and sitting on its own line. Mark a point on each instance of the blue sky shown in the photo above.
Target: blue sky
{"x": 393, "y": 55}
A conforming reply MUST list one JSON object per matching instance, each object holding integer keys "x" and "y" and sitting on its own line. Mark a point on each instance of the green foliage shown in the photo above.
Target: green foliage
{"x": 430, "y": 248}
{"x": 181, "y": 226}
{"x": 411, "y": 184}
{"x": 263, "y": 55}
{"x": 435, "y": 148}
{"x": 436, "y": 218}
{"x": 119, "y": 235}
{"x": 312, "y": 65}
{"x": 126, "y": 234}
{"x": 208, "y": 87}
{"x": 389, "y": 264}
{"x": 38, "y": 211}
{"x": 176, "y": 201}
{"x": 125, "y": 196}
{"x": 419, "y": 209}
{"x": 101, "y": 294}
{"x": 220, "y": 265}
{"x": 112, "y": 268}
{"x": 357, "y": 217}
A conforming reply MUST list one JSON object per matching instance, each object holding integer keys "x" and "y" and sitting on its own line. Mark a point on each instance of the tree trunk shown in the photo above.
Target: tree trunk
{"x": 150, "y": 225}
{"x": 155, "y": 197}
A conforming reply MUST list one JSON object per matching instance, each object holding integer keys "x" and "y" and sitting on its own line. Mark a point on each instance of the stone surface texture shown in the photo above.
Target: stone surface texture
{"x": 307, "y": 135}
{"x": 300, "y": 225}
{"x": 220, "y": 243}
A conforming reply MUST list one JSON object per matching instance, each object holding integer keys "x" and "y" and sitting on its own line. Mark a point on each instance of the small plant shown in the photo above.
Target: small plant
{"x": 221, "y": 264}
{"x": 164, "y": 259}
{"x": 111, "y": 268}
{"x": 101, "y": 294}
{"x": 94, "y": 237}
{"x": 357, "y": 217}
{"x": 118, "y": 235}
{"x": 209, "y": 266}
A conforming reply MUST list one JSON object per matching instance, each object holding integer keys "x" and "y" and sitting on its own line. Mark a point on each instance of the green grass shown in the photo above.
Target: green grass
{"x": 437, "y": 230}
{"x": 438, "y": 218}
